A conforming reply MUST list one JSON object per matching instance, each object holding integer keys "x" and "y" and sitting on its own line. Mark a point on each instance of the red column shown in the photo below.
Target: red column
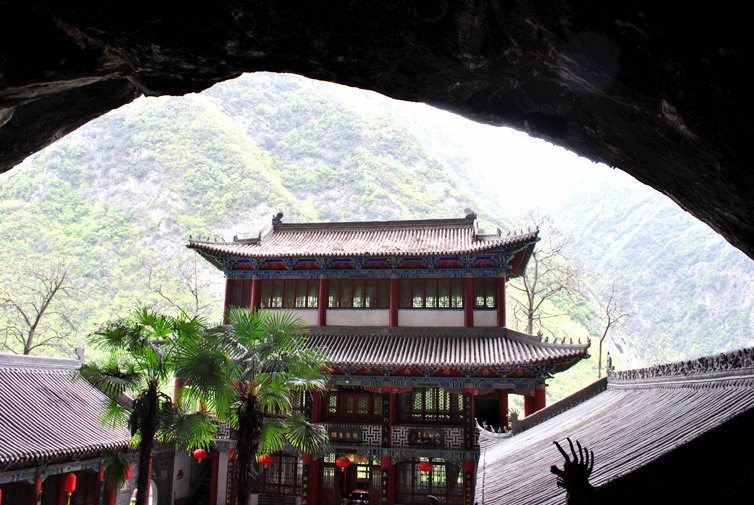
{"x": 60, "y": 493}
{"x": 316, "y": 406}
{"x": 540, "y": 399}
{"x": 213, "y": 486}
{"x": 315, "y": 480}
{"x": 500, "y": 285}
{"x": 177, "y": 390}
{"x": 322, "y": 301}
{"x": 99, "y": 490}
{"x": 469, "y": 469}
{"x": 388, "y": 481}
{"x": 110, "y": 496}
{"x": 468, "y": 302}
{"x": 256, "y": 293}
{"x": 503, "y": 403}
{"x": 36, "y": 492}
{"x": 310, "y": 484}
{"x": 395, "y": 297}
{"x": 226, "y": 305}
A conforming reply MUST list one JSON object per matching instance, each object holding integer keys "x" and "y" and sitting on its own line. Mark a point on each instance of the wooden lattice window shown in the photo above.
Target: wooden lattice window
{"x": 430, "y": 406}
{"x": 431, "y": 294}
{"x": 485, "y": 295}
{"x": 290, "y": 293}
{"x": 359, "y": 293}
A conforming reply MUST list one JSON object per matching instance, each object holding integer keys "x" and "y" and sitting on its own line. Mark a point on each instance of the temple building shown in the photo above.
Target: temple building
{"x": 413, "y": 316}
{"x": 51, "y": 437}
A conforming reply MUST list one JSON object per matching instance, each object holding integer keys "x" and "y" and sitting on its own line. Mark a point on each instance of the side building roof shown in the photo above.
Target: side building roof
{"x": 48, "y": 411}
{"x": 631, "y": 419}
{"x": 377, "y": 238}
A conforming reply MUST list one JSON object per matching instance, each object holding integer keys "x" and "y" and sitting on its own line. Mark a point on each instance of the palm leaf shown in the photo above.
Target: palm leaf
{"x": 303, "y": 435}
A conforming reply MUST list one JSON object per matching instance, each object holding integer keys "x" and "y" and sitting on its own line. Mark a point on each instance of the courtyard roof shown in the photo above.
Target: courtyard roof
{"x": 47, "y": 411}
{"x": 438, "y": 347}
{"x": 629, "y": 420}
{"x": 376, "y": 238}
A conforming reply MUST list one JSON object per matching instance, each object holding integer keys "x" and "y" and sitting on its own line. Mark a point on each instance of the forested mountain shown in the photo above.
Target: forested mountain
{"x": 116, "y": 201}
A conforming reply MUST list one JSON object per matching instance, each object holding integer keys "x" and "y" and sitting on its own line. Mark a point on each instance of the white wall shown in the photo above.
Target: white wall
{"x": 485, "y": 318}
{"x": 182, "y": 486}
{"x": 308, "y": 315}
{"x": 222, "y": 477}
{"x": 428, "y": 317}
{"x": 358, "y": 317}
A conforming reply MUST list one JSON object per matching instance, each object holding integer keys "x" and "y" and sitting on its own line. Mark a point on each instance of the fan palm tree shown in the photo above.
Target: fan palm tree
{"x": 250, "y": 371}
{"x": 141, "y": 355}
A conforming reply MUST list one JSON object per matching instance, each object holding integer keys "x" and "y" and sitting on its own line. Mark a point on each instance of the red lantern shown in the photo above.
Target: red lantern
{"x": 425, "y": 467}
{"x": 266, "y": 459}
{"x": 70, "y": 483}
{"x": 1, "y": 496}
{"x": 200, "y": 454}
{"x": 127, "y": 472}
{"x": 343, "y": 463}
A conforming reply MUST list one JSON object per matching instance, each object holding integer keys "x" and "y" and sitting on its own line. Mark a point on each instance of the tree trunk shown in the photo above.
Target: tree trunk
{"x": 148, "y": 428}
{"x": 250, "y": 421}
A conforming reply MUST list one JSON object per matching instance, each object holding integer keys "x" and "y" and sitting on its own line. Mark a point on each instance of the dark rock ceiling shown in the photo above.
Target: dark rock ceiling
{"x": 654, "y": 88}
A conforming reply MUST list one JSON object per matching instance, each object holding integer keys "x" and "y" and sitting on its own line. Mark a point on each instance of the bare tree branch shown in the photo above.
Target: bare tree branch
{"x": 34, "y": 312}
{"x": 548, "y": 274}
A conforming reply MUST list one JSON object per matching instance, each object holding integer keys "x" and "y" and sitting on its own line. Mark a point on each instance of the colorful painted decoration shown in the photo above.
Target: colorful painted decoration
{"x": 127, "y": 472}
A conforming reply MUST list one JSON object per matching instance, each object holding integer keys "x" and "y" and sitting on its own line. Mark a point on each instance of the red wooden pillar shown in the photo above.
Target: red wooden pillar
{"x": 213, "y": 486}
{"x": 309, "y": 481}
{"x": 388, "y": 481}
{"x": 469, "y": 469}
{"x": 110, "y": 499}
{"x": 100, "y": 489}
{"x": 395, "y": 297}
{"x": 503, "y": 403}
{"x": 256, "y": 293}
{"x": 226, "y": 304}
{"x": 316, "y": 406}
{"x": 468, "y": 302}
{"x": 322, "y": 301}
{"x": 177, "y": 390}
{"x": 500, "y": 287}
{"x": 60, "y": 494}
{"x": 540, "y": 398}
{"x": 528, "y": 402}
{"x": 36, "y": 491}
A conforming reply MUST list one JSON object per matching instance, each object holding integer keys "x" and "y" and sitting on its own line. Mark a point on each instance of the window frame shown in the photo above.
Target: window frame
{"x": 289, "y": 289}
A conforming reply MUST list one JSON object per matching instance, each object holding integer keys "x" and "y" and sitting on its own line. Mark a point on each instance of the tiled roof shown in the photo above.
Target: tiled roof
{"x": 402, "y": 238}
{"x": 633, "y": 419}
{"x": 437, "y": 347}
{"x": 45, "y": 412}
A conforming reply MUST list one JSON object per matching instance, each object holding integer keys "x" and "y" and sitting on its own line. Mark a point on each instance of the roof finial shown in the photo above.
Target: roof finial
{"x": 276, "y": 221}
{"x": 470, "y": 215}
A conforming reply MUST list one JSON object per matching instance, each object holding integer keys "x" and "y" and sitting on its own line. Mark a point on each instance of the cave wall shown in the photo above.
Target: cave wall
{"x": 653, "y": 88}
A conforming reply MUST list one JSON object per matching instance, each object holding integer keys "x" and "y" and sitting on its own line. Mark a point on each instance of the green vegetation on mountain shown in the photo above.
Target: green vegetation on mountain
{"x": 116, "y": 201}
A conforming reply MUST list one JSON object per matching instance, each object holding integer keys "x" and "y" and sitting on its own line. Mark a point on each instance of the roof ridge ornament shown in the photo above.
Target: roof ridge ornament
{"x": 277, "y": 220}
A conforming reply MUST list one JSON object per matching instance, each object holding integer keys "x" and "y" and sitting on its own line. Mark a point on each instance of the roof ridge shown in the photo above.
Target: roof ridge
{"x": 38, "y": 363}
{"x": 739, "y": 362}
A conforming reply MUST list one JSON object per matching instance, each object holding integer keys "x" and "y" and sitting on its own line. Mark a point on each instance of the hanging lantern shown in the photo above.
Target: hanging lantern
{"x": 1, "y": 496}
{"x": 425, "y": 467}
{"x": 200, "y": 454}
{"x": 266, "y": 459}
{"x": 127, "y": 472}
{"x": 343, "y": 463}
{"x": 70, "y": 483}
